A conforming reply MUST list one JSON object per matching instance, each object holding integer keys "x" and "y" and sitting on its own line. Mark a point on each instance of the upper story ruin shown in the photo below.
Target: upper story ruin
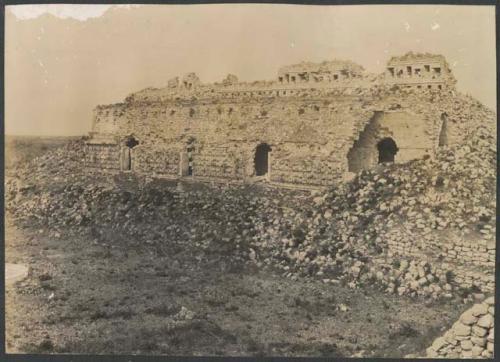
{"x": 336, "y": 77}
{"x": 420, "y": 70}
{"x": 311, "y": 126}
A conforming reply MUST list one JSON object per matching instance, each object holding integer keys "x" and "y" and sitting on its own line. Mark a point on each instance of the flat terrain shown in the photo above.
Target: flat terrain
{"x": 86, "y": 298}
{"x": 20, "y": 149}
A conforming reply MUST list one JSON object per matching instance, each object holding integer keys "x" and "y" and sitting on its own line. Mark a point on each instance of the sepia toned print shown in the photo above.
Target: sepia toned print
{"x": 327, "y": 210}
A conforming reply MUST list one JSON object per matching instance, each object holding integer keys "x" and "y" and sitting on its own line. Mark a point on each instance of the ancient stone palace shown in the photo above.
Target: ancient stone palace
{"x": 313, "y": 125}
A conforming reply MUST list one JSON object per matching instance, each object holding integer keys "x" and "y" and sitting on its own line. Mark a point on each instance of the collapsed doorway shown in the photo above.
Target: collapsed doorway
{"x": 262, "y": 159}
{"x": 387, "y": 150}
{"x": 129, "y": 143}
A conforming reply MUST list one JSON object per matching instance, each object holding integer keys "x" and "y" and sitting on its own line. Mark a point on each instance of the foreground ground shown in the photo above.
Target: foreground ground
{"x": 86, "y": 298}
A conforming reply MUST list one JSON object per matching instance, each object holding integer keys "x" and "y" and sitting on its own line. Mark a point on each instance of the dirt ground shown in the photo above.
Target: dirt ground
{"x": 83, "y": 297}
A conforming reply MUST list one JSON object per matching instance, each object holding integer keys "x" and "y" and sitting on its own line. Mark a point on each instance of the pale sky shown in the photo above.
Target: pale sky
{"x": 63, "y": 60}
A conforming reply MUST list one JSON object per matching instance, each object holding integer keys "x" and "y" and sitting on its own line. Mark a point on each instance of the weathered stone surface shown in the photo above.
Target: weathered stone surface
{"x": 466, "y": 354}
{"x": 479, "y": 331}
{"x": 490, "y": 347}
{"x": 479, "y": 341}
{"x": 486, "y": 354}
{"x": 439, "y": 343}
{"x": 479, "y": 310}
{"x": 486, "y": 321}
{"x": 476, "y": 351}
{"x": 490, "y": 301}
{"x": 491, "y": 335}
{"x": 466, "y": 345}
{"x": 467, "y": 318}
{"x": 461, "y": 329}
{"x": 431, "y": 352}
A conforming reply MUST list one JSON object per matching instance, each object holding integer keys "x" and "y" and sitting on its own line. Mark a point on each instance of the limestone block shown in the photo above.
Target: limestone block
{"x": 486, "y": 354}
{"x": 476, "y": 351}
{"x": 439, "y": 343}
{"x": 467, "y": 318}
{"x": 486, "y": 321}
{"x": 479, "y": 309}
{"x": 491, "y": 335}
{"x": 490, "y": 347}
{"x": 479, "y": 331}
{"x": 431, "y": 352}
{"x": 466, "y": 345}
{"x": 466, "y": 354}
{"x": 450, "y": 336}
{"x": 479, "y": 341}
{"x": 462, "y": 330}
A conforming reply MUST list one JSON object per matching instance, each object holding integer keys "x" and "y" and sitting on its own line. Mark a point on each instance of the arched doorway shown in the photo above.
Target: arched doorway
{"x": 262, "y": 159}
{"x": 387, "y": 149}
{"x": 129, "y": 143}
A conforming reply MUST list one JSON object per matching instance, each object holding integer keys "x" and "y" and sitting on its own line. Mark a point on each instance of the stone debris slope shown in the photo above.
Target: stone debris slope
{"x": 370, "y": 229}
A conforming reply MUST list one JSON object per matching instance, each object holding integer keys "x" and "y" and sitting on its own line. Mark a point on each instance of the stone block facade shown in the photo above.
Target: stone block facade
{"x": 309, "y": 128}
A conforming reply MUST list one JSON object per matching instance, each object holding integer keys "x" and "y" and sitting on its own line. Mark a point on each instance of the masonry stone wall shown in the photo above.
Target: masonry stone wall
{"x": 160, "y": 161}
{"x": 472, "y": 262}
{"x": 224, "y": 162}
{"x": 103, "y": 156}
{"x": 311, "y": 138}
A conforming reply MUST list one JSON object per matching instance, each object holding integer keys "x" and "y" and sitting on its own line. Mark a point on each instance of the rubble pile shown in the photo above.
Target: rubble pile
{"x": 353, "y": 233}
{"x": 472, "y": 336}
{"x": 219, "y": 222}
{"x": 61, "y": 166}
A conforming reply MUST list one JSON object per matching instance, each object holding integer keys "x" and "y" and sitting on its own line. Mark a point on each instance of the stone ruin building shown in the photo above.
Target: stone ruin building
{"x": 315, "y": 124}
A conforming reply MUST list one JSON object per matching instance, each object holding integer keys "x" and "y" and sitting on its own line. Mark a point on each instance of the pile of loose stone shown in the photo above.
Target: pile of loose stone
{"x": 472, "y": 336}
{"x": 344, "y": 235}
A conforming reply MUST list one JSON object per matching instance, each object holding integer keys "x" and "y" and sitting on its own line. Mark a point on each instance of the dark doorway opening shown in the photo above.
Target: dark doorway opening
{"x": 443, "y": 134}
{"x": 387, "y": 149}
{"x": 262, "y": 159}
{"x": 130, "y": 142}
{"x": 187, "y": 157}
{"x": 190, "y": 151}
